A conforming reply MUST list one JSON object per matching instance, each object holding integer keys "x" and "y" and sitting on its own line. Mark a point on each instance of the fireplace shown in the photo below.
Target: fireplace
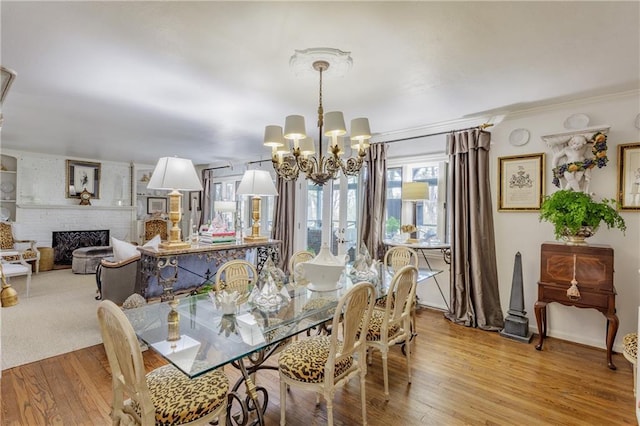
{"x": 65, "y": 242}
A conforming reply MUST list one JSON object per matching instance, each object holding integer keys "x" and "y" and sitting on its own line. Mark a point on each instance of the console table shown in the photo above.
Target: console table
{"x": 159, "y": 269}
{"x": 593, "y": 266}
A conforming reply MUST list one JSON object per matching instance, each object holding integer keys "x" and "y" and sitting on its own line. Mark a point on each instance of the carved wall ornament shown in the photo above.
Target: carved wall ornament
{"x": 575, "y": 153}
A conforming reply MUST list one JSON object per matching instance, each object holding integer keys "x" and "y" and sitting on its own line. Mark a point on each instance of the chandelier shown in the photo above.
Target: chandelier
{"x": 288, "y": 163}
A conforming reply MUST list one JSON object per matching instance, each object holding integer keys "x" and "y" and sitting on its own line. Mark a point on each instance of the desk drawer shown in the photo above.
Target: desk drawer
{"x": 588, "y": 299}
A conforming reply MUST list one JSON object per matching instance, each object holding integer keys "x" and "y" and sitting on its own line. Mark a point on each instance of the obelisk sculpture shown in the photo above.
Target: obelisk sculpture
{"x": 516, "y": 325}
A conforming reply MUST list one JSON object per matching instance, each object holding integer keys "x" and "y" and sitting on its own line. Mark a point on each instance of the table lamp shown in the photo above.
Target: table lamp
{"x": 175, "y": 174}
{"x": 256, "y": 183}
{"x": 414, "y": 192}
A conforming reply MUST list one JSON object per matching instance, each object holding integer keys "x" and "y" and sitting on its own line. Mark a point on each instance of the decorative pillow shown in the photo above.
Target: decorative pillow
{"x": 153, "y": 243}
{"x": 123, "y": 250}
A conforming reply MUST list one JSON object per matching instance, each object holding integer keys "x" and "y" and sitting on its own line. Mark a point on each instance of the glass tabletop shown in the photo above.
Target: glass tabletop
{"x": 194, "y": 335}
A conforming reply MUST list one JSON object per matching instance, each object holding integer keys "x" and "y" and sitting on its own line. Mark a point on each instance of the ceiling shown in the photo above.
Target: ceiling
{"x": 135, "y": 81}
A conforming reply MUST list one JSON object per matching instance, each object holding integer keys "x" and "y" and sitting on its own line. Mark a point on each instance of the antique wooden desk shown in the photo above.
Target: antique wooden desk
{"x": 593, "y": 265}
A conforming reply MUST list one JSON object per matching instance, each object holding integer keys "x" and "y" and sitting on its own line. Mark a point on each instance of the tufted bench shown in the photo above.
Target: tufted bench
{"x": 87, "y": 259}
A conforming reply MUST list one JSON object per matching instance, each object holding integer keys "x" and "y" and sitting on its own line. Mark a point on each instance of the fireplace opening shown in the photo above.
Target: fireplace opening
{"x": 65, "y": 242}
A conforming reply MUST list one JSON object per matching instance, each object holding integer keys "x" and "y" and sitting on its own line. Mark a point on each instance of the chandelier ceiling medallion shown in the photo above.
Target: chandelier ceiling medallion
{"x": 287, "y": 162}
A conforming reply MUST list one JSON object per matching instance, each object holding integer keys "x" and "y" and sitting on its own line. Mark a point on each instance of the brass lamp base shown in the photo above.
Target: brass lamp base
{"x": 412, "y": 240}
{"x": 177, "y": 245}
{"x": 255, "y": 239}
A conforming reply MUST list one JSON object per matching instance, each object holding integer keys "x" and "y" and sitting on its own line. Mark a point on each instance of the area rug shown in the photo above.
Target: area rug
{"x": 58, "y": 317}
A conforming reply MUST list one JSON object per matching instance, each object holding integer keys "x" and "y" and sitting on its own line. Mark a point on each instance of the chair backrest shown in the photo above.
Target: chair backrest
{"x": 6, "y": 236}
{"x": 398, "y": 256}
{"x": 236, "y": 275}
{"x": 295, "y": 259}
{"x": 153, "y": 227}
{"x": 125, "y": 360}
{"x": 353, "y": 311}
{"x": 400, "y": 296}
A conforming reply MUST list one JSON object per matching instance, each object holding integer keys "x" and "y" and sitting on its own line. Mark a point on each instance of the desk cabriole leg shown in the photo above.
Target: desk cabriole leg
{"x": 612, "y": 330}
{"x": 540, "y": 309}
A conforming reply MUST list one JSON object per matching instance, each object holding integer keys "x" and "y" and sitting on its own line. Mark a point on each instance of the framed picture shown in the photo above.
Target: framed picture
{"x": 82, "y": 175}
{"x": 156, "y": 205}
{"x": 629, "y": 176}
{"x": 195, "y": 200}
{"x": 521, "y": 180}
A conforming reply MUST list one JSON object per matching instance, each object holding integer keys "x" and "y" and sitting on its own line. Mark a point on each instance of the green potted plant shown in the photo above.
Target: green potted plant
{"x": 576, "y": 215}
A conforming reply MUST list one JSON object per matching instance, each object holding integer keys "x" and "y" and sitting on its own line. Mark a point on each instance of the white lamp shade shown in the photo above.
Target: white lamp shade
{"x": 175, "y": 173}
{"x": 307, "y": 146}
{"x": 224, "y": 206}
{"x": 415, "y": 191}
{"x": 334, "y": 124}
{"x": 360, "y": 129}
{"x": 294, "y": 127}
{"x": 273, "y": 136}
{"x": 256, "y": 182}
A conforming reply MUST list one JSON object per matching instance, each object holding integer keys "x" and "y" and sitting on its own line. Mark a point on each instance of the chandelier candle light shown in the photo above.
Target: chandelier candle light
{"x": 175, "y": 174}
{"x": 318, "y": 169}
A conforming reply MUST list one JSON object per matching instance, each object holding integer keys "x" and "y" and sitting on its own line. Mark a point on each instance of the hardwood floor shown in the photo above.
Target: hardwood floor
{"x": 461, "y": 376}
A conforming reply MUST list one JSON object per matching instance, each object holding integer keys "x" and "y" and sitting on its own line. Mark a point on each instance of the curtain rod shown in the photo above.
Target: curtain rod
{"x": 216, "y": 168}
{"x": 259, "y": 161}
{"x": 481, "y": 127}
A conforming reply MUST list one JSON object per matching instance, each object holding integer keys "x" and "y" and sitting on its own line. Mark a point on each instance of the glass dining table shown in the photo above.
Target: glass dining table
{"x": 195, "y": 335}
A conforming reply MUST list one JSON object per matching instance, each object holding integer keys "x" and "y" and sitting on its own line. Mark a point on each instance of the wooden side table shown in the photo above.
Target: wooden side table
{"x": 593, "y": 265}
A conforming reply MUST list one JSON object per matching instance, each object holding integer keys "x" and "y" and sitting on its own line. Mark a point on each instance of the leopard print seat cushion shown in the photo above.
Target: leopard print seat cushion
{"x": 375, "y": 326}
{"x": 304, "y": 360}
{"x": 26, "y": 255}
{"x": 630, "y": 343}
{"x": 179, "y": 399}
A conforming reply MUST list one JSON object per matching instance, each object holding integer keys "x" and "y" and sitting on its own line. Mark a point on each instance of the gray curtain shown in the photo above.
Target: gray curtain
{"x": 374, "y": 200}
{"x": 475, "y": 299}
{"x": 284, "y": 219}
{"x": 207, "y": 176}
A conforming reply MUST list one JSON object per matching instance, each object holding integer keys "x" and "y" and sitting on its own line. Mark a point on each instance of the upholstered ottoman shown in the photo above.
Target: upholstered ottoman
{"x": 87, "y": 259}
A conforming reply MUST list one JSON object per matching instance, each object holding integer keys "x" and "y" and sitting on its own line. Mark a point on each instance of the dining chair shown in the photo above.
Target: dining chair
{"x": 392, "y": 325}
{"x": 236, "y": 275}
{"x": 394, "y": 259}
{"x": 163, "y": 396}
{"x": 398, "y": 256}
{"x": 324, "y": 363}
{"x": 295, "y": 275}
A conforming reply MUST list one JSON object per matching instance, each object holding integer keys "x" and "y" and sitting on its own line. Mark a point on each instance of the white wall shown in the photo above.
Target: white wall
{"x": 524, "y": 233}
{"x": 42, "y": 206}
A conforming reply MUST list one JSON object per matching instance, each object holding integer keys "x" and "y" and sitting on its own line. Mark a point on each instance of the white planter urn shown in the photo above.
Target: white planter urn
{"x": 324, "y": 270}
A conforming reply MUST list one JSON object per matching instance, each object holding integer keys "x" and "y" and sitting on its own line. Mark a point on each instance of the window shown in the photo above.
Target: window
{"x": 428, "y": 215}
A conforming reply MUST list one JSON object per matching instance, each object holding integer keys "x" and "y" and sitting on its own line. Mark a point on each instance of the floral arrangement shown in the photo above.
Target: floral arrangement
{"x": 408, "y": 228}
{"x": 599, "y": 149}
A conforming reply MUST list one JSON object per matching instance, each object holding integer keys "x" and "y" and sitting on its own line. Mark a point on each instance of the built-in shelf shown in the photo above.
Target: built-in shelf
{"x": 72, "y": 207}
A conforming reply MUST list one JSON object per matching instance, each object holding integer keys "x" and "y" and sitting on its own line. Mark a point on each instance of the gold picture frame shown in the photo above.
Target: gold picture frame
{"x": 521, "y": 182}
{"x": 629, "y": 177}
{"x": 82, "y": 175}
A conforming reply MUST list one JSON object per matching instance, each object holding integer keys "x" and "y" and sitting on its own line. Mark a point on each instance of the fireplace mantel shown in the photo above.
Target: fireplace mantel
{"x": 73, "y": 207}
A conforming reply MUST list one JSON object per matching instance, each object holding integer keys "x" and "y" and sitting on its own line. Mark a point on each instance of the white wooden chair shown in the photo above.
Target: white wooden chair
{"x": 11, "y": 269}
{"x": 9, "y": 245}
{"x": 165, "y": 395}
{"x": 324, "y": 363}
{"x": 295, "y": 276}
{"x": 392, "y": 325}
{"x": 236, "y": 275}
